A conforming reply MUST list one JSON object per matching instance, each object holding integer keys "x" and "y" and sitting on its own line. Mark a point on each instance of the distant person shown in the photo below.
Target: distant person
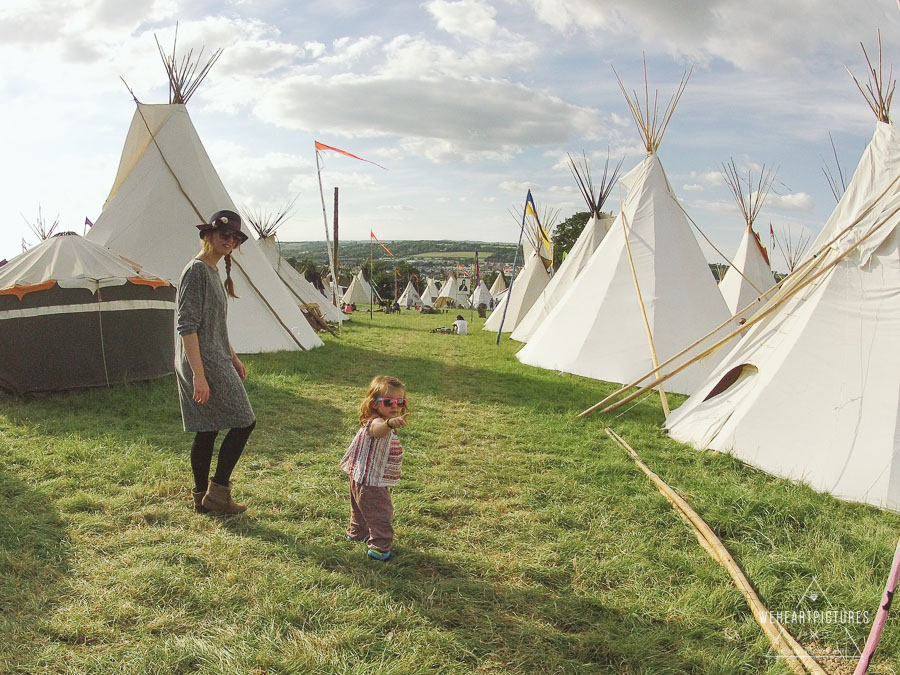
{"x": 396, "y": 306}
{"x": 372, "y": 463}
{"x": 209, "y": 372}
{"x": 460, "y": 327}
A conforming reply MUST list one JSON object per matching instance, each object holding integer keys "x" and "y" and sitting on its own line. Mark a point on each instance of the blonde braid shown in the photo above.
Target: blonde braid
{"x": 229, "y": 284}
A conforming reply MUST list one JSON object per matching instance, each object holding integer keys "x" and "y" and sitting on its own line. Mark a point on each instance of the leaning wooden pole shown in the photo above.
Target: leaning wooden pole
{"x": 334, "y": 286}
{"x": 637, "y": 287}
{"x": 881, "y": 617}
{"x": 793, "y": 653}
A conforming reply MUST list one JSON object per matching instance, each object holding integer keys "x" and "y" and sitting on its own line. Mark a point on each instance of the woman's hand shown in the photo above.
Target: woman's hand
{"x": 239, "y": 367}
{"x": 201, "y": 389}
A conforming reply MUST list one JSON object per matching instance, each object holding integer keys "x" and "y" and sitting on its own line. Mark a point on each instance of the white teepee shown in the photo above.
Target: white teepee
{"x": 303, "y": 291}
{"x": 165, "y": 186}
{"x": 647, "y": 275}
{"x": 431, "y": 293}
{"x": 481, "y": 296}
{"x": 498, "y": 286}
{"x": 525, "y": 289}
{"x": 594, "y": 230}
{"x": 410, "y": 296}
{"x": 359, "y": 292}
{"x": 454, "y": 293}
{"x": 810, "y": 392}
{"x": 749, "y": 278}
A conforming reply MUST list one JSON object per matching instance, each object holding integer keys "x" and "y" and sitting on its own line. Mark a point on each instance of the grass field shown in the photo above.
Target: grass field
{"x": 453, "y": 255}
{"x": 527, "y": 542}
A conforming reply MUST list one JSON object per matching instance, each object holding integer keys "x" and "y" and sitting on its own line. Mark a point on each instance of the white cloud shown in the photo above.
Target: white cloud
{"x": 692, "y": 187}
{"x": 348, "y": 50}
{"x": 469, "y": 18}
{"x": 798, "y": 201}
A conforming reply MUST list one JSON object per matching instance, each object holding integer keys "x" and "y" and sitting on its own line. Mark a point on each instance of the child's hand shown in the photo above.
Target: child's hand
{"x": 397, "y": 422}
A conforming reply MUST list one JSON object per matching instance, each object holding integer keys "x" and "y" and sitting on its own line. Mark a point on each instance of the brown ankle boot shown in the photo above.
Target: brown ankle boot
{"x": 198, "y": 501}
{"x": 218, "y": 500}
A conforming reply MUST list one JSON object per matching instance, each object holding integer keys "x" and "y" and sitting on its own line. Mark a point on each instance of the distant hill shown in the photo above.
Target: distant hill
{"x": 407, "y": 249}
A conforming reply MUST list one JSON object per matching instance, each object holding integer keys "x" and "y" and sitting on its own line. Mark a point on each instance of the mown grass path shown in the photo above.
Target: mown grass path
{"x": 526, "y": 540}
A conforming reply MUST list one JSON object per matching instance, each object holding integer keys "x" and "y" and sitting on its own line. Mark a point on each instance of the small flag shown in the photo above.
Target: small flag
{"x": 546, "y": 251}
{"x": 461, "y": 269}
{"x": 379, "y": 243}
{"x": 477, "y": 269}
{"x": 87, "y": 222}
{"x": 24, "y": 245}
{"x": 322, "y": 146}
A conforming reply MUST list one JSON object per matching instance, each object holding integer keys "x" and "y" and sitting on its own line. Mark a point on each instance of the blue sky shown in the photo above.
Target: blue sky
{"x": 468, "y": 103}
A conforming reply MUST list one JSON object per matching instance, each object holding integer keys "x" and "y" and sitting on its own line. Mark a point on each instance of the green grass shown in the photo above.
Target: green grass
{"x": 527, "y": 541}
{"x": 462, "y": 255}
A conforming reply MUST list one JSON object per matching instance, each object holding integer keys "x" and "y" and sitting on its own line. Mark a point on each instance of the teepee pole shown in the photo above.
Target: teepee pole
{"x": 637, "y": 287}
{"x": 334, "y": 286}
{"x": 513, "y": 277}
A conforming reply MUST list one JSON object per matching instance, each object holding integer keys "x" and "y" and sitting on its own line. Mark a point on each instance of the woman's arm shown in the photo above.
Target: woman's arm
{"x": 192, "y": 350}
{"x": 238, "y": 366}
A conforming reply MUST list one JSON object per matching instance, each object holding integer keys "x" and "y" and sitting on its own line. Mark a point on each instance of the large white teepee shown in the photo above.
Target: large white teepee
{"x": 431, "y": 293}
{"x": 810, "y": 392}
{"x": 166, "y": 185}
{"x": 481, "y": 296}
{"x": 749, "y": 278}
{"x": 598, "y": 328}
{"x": 594, "y": 230}
{"x": 410, "y": 296}
{"x": 303, "y": 291}
{"x": 498, "y": 286}
{"x": 524, "y": 291}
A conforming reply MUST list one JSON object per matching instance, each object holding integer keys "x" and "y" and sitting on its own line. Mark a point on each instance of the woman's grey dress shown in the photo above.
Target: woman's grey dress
{"x": 202, "y": 308}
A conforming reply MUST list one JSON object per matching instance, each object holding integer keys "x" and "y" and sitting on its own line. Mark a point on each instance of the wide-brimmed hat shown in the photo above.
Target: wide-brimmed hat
{"x": 225, "y": 220}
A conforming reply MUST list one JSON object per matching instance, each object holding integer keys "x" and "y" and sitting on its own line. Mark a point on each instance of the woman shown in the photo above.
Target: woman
{"x": 209, "y": 372}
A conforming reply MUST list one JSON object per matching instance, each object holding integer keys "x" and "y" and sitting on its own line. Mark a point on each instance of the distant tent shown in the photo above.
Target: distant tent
{"x": 73, "y": 315}
{"x": 431, "y": 293}
{"x": 302, "y": 290}
{"x": 165, "y": 186}
{"x": 454, "y": 293}
{"x": 594, "y": 230}
{"x": 810, "y": 392}
{"x": 481, "y": 296}
{"x": 748, "y": 280}
{"x": 531, "y": 280}
{"x": 410, "y": 297}
{"x": 359, "y": 292}
{"x": 498, "y": 286}
{"x": 647, "y": 276}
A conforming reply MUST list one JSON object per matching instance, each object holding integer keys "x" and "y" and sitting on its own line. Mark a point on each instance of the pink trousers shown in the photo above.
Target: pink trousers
{"x": 371, "y": 513}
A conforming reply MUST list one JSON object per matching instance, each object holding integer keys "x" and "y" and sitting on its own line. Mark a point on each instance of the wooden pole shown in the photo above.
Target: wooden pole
{"x": 637, "y": 287}
{"x": 781, "y": 639}
{"x": 336, "y": 248}
{"x": 371, "y": 274}
{"x": 798, "y": 282}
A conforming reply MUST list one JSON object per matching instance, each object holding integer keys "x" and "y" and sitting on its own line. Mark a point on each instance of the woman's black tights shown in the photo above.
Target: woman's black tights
{"x": 229, "y": 454}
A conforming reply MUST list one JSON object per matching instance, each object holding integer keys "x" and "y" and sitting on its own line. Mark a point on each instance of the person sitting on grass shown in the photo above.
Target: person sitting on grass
{"x": 372, "y": 463}
{"x": 460, "y": 327}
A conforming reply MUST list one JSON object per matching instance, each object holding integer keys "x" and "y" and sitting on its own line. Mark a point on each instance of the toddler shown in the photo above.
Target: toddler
{"x": 372, "y": 463}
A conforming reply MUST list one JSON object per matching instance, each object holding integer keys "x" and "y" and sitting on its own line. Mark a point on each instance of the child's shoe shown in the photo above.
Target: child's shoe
{"x": 358, "y": 540}
{"x": 378, "y": 555}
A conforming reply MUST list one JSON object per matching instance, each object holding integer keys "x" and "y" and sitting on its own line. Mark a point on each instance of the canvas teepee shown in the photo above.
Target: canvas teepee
{"x": 498, "y": 286}
{"x": 410, "y": 296}
{"x": 749, "y": 277}
{"x": 481, "y": 296}
{"x": 165, "y": 186}
{"x": 359, "y": 292}
{"x": 73, "y": 315}
{"x": 594, "y": 230}
{"x": 646, "y": 292}
{"x": 431, "y": 293}
{"x": 810, "y": 392}
{"x": 454, "y": 293}
{"x": 304, "y": 293}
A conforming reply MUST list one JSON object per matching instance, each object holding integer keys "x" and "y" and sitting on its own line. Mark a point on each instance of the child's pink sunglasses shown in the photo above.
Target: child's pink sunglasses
{"x": 387, "y": 401}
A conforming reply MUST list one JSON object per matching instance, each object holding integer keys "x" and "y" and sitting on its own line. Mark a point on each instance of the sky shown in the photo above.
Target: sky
{"x": 466, "y": 103}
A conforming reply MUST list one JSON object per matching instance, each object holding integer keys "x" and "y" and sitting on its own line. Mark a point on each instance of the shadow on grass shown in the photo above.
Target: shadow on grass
{"x": 34, "y": 551}
{"x": 536, "y": 628}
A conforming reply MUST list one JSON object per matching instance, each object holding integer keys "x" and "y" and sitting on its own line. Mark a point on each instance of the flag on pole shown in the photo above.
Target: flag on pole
{"x": 379, "y": 243}
{"x": 461, "y": 269}
{"x": 87, "y": 222}
{"x": 477, "y": 269}
{"x": 545, "y": 246}
{"x": 322, "y": 146}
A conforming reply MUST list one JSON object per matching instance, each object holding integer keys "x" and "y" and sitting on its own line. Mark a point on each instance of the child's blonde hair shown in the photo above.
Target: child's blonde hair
{"x": 378, "y": 387}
